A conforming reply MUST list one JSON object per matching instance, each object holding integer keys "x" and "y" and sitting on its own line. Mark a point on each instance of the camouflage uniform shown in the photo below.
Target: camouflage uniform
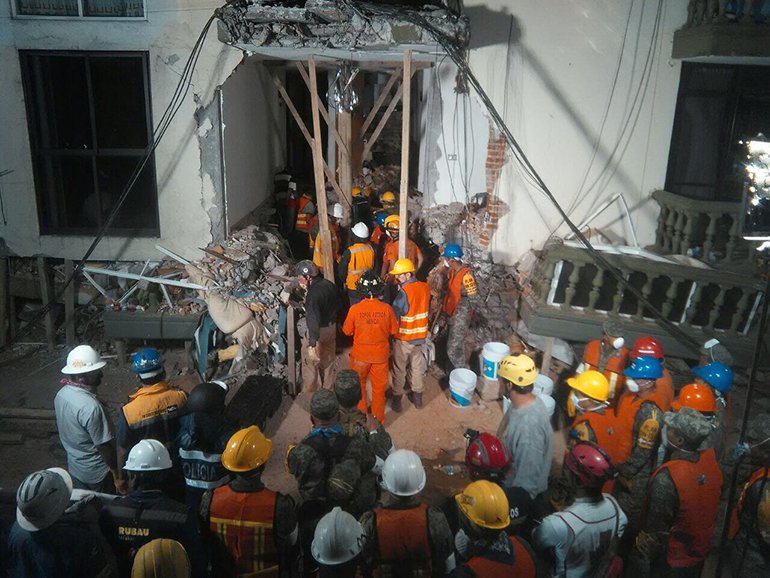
{"x": 458, "y": 329}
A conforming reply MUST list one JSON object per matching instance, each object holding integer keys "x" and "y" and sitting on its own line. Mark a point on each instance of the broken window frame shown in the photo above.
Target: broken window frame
{"x": 18, "y": 12}
{"x": 50, "y": 198}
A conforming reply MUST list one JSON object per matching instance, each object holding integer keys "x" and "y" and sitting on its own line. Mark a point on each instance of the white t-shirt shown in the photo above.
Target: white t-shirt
{"x": 580, "y": 535}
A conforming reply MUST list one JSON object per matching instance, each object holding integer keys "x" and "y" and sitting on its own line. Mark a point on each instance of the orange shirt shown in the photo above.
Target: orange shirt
{"x": 390, "y": 255}
{"x": 371, "y": 323}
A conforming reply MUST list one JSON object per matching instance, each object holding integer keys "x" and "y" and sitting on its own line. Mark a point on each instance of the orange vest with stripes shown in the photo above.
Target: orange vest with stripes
{"x": 243, "y": 521}
{"x": 361, "y": 261}
{"x": 414, "y": 325}
{"x": 303, "y": 219}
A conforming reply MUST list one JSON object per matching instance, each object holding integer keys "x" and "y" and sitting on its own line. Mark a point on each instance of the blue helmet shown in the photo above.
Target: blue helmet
{"x": 147, "y": 362}
{"x": 453, "y": 251}
{"x": 717, "y": 375}
{"x": 645, "y": 367}
{"x": 380, "y": 217}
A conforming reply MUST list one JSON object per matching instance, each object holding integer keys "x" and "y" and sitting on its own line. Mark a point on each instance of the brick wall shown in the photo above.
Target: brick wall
{"x": 496, "y": 158}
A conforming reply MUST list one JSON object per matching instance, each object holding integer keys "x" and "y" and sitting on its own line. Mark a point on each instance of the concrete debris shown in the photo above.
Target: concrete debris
{"x": 334, "y": 24}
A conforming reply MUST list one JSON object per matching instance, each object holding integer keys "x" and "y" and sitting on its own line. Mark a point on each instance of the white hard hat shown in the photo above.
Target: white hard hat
{"x": 83, "y": 359}
{"x": 337, "y": 211}
{"x": 403, "y": 474}
{"x": 338, "y": 538}
{"x": 42, "y": 498}
{"x": 148, "y": 456}
{"x": 360, "y": 230}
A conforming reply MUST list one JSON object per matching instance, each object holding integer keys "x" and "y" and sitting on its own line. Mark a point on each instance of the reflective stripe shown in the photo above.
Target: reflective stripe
{"x": 414, "y": 317}
{"x": 241, "y": 523}
{"x": 199, "y": 455}
{"x": 207, "y": 485}
{"x": 359, "y": 271}
{"x": 414, "y": 331}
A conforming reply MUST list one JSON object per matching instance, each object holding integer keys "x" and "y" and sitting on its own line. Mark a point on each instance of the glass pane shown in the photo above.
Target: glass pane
{"x": 118, "y": 86}
{"x": 67, "y": 124}
{"x": 139, "y": 210}
{"x": 113, "y": 8}
{"x": 72, "y": 179}
{"x": 47, "y": 7}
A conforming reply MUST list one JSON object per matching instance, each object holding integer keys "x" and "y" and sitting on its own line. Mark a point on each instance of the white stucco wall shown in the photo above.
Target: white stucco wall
{"x": 554, "y": 94}
{"x": 183, "y": 196}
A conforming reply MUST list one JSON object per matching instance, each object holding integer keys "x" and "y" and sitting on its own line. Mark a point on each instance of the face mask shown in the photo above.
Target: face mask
{"x": 576, "y": 402}
{"x": 632, "y": 386}
{"x": 618, "y": 343}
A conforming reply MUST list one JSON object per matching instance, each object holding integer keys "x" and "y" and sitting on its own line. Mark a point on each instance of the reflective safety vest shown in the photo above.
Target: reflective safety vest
{"x": 414, "y": 325}
{"x": 361, "y": 261}
{"x": 455, "y": 290}
{"x": 318, "y": 253}
{"x": 523, "y": 566}
{"x": 757, "y": 476}
{"x": 614, "y": 366}
{"x": 203, "y": 470}
{"x": 154, "y": 412}
{"x": 303, "y": 219}
{"x": 402, "y": 540}
{"x": 377, "y": 235}
{"x": 628, "y": 405}
{"x": 600, "y": 428}
{"x": 698, "y": 486}
{"x": 390, "y": 255}
{"x": 665, "y": 388}
{"x": 243, "y": 521}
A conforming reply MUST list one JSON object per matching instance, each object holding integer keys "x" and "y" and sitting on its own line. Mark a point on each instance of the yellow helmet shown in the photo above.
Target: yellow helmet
{"x": 402, "y": 266}
{"x": 356, "y": 191}
{"x": 161, "y": 558}
{"x": 518, "y": 369}
{"x": 388, "y": 197}
{"x": 484, "y": 503}
{"x": 392, "y": 222}
{"x": 591, "y": 383}
{"x": 246, "y": 450}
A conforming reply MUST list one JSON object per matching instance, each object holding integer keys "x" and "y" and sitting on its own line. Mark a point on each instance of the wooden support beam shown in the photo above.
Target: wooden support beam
{"x": 4, "y": 284}
{"x": 318, "y": 173}
{"x": 46, "y": 294}
{"x": 379, "y": 102}
{"x": 69, "y": 304}
{"x": 382, "y": 123}
{"x": 291, "y": 350}
{"x": 324, "y": 113}
{"x": 345, "y": 164}
{"x": 406, "y": 112}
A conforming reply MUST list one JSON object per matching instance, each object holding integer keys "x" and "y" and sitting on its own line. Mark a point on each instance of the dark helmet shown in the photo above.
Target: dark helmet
{"x": 206, "y": 398}
{"x": 306, "y": 268}
{"x": 369, "y": 283}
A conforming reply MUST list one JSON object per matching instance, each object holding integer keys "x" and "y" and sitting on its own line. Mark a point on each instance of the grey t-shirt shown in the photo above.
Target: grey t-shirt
{"x": 83, "y": 425}
{"x": 528, "y": 434}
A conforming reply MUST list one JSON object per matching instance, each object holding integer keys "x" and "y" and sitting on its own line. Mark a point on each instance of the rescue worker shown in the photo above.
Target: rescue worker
{"x": 347, "y": 389}
{"x": 639, "y": 419}
{"x": 664, "y": 385}
{"x": 319, "y": 344}
{"x": 608, "y": 356}
{"x": 681, "y": 503}
{"x": 306, "y": 209}
{"x": 161, "y": 558}
{"x": 329, "y": 469}
{"x": 713, "y": 350}
{"x": 253, "y": 529}
{"x": 45, "y": 541}
{"x": 390, "y": 251}
{"x": 389, "y": 202}
{"x": 378, "y": 232}
{"x": 371, "y": 323}
{"x": 359, "y": 210}
{"x": 357, "y": 259}
{"x": 337, "y": 544}
{"x": 719, "y": 377}
{"x": 701, "y": 398}
{"x": 749, "y": 548}
{"x": 147, "y": 513}
{"x": 484, "y": 547}
{"x": 462, "y": 294}
{"x": 411, "y": 306}
{"x": 404, "y": 536}
{"x": 153, "y": 411}
{"x": 488, "y": 458}
{"x": 526, "y": 427}
{"x": 335, "y": 216}
{"x": 203, "y": 434}
{"x": 84, "y": 430}
{"x": 594, "y": 420}
{"x": 584, "y": 535}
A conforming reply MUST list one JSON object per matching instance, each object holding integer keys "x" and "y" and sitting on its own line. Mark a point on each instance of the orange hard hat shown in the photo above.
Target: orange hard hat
{"x": 696, "y": 396}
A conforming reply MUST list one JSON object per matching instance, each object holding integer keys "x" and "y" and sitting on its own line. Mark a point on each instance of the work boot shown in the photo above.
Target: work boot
{"x": 395, "y": 403}
{"x": 417, "y": 399}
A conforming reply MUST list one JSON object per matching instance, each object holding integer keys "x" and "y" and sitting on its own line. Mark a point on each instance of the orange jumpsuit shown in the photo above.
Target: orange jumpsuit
{"x": 371, "y": 323}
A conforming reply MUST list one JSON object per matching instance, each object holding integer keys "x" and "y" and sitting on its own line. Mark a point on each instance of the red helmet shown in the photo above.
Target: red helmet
{"x": 487, "y": 458}
{"x": 647, "y": 346}
{"x": 590, "y": 464}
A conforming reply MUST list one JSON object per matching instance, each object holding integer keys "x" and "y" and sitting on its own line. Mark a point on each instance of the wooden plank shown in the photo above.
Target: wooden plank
{"x": 3, "y": 302}
{"x": 406, "y": 112}
{"x": 379, "y": 102}
{"x": 291, "y": 350}
{"x": 364, "y": 65}
{"x": 69, "y": 304}
{"x": 47, "y": 297}
{"x": 25, "y": 413}
{"x": 310, "y": 82}
{"x": 381, "y": 124}
{"x": 320, "y": 187}
{"x": 345, "y": 166}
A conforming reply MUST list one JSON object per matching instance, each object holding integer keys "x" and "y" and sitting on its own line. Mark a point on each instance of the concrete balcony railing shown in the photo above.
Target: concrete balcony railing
{"x": 572, "y": 297}
{"x": 706, "y": 230}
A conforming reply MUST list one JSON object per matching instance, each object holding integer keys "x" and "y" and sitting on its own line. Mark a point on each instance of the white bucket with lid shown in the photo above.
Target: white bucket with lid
{"x": 491, "y": 355}
{"x": 462, "y": 384}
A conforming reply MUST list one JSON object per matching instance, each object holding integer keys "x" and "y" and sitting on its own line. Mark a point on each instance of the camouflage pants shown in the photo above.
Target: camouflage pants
{"x": 458, "y": 328}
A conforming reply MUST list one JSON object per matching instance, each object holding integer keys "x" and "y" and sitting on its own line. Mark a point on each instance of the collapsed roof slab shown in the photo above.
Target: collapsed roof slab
{"x": 262, "y": 26}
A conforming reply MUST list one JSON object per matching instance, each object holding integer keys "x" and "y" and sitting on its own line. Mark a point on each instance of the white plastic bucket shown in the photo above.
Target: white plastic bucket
{"x": 491, "y": 356}
{"x": 462, "y": 383}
